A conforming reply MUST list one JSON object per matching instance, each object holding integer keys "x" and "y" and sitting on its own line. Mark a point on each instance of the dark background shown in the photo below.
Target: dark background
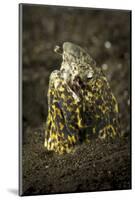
{"x": 106, "y": 36}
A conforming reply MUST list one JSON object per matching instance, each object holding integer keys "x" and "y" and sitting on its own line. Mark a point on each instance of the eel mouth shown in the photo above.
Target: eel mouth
{"x": 58, "y": 50}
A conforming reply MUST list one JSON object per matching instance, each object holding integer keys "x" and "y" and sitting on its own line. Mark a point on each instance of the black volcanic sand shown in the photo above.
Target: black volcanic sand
{"x": 92, "y": 167}
{"x": 100, "y": 165}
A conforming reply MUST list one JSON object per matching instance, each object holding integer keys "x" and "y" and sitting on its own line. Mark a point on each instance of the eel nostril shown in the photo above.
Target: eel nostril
{"x": 58, "y": 50}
